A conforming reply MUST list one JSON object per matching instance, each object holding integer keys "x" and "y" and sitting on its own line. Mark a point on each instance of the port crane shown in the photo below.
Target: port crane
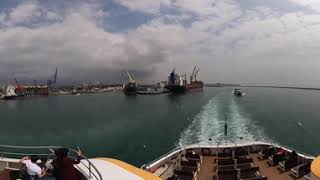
{"x": 131, "y": 80}
{"x": 194, "y": 74}
{"x": 19, "y": 88}
{"x": 51, "y": 82}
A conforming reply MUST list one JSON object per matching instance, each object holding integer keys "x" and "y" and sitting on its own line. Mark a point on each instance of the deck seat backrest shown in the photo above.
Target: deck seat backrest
{"x": 3, "y": 165}
{"x": 253, "y": 169}
{"x": 184, "y": 173}
{"x": 193, "y": 156}
{"x": 304, "y": 167}
{"x": 191, "y": 163}
{"x": 279, "y": 157}
{"x": 189, "y": 169}
{"x": 301, "y": 170}
{"x": 222, "y": 158}
{"x": 244, "y": 160}
{"x": 226, "y": 168}
{"x": 225, "y": 162}
{"x": 290, "y": 163}
{"x": 182, "y": 177}
{"x": 245, "y": 165}
{"x": 227, "y": 177}
{"x": 269, "y": 151}
{"x": 257, "y": 178}
{"x": 226, "y": 153}
{"x": 231, "y": 172}
{"x": 240, "y": 152}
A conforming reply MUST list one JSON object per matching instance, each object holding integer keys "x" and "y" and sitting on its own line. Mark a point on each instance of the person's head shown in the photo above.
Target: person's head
{"x": 65, "y": 152}
{"x": 44, "y": 159}
{"x": 62, "y": 152}
{"x": 34, "y": 159}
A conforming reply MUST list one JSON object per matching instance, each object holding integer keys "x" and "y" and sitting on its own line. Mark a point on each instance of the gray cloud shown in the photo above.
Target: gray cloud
{"x": 230, "y": 43}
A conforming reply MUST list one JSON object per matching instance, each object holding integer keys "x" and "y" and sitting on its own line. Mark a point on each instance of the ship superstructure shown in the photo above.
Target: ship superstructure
{"x": 176, "y": 83}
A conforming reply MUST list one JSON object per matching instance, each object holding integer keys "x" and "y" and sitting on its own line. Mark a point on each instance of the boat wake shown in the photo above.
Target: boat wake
{"x": 208, "y": 125}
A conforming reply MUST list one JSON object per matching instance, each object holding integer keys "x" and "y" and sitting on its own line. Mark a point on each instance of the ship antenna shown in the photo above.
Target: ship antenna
{"x": 225, "y": 125}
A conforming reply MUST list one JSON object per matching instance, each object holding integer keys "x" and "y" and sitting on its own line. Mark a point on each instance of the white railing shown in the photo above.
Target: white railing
{"x": 221, "y": 144}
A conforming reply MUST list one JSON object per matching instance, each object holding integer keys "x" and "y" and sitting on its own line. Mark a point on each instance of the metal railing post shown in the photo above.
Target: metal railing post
{"x": 89, "y": 170}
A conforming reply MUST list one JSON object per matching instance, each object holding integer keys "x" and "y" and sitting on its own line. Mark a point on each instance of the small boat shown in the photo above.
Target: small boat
{"x": 299, "y": 124}
{"x": 238, "y": 92}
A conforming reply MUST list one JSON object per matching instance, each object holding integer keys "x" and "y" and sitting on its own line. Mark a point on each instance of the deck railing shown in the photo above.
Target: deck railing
{"x": 221, "y": 144}
{"x": 17, "y": 152}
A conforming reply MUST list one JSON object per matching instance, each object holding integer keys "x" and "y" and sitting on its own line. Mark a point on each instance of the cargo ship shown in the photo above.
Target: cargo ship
{"x": 20, "y": 91}
{"x": 177, "y": 84}
{"x": 23, "y": 92}
{"x": 130, "y": 88}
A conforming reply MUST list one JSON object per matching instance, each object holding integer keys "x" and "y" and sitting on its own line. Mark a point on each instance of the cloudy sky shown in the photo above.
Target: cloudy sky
{"x": 236, "y": 41}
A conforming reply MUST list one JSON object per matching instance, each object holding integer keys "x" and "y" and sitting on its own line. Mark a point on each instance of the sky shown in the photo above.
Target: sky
{"x": 254, "y": 42}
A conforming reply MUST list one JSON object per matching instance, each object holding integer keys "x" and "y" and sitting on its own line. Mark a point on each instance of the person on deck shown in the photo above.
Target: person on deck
{"x": 64, "y": 167}
{"x": 282, "y": 152}
{"x": 33, "y": 169}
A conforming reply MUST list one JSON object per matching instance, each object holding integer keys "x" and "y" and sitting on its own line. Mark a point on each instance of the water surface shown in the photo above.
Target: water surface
{"x": 139, "y": 129}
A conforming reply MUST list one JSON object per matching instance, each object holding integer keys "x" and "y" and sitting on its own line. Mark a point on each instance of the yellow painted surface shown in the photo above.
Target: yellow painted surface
{"x": 134, "y": 170}
{"x": 315, "y": 167}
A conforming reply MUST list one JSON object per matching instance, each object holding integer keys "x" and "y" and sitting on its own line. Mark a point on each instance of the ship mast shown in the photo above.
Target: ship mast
{"x": 225, "y": 125}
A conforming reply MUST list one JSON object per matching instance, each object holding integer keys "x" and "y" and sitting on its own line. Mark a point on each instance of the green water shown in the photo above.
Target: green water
{"x": 139, "y": 129}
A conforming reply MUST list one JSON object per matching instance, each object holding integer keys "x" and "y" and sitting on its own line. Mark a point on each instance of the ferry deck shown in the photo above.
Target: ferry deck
{"x": 229, "y": 161}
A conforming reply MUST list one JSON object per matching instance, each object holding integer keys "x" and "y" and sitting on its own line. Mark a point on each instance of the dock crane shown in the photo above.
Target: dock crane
{"x": 19, "y": 87}
{"x": 195, "y": 75}
{"x": 131, "y": 80}
{"x": 192, "y": 74}
{"x": 54, "y": 79}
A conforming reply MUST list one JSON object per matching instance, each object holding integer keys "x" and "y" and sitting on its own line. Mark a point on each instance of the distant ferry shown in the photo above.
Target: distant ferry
{"x": 238, "y": 92}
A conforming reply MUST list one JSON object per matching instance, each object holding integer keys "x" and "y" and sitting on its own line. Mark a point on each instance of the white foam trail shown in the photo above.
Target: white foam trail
{"x": 205, "y": 125}
{"x": 209, "y": 123}
{"x": 241, "y": 125}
